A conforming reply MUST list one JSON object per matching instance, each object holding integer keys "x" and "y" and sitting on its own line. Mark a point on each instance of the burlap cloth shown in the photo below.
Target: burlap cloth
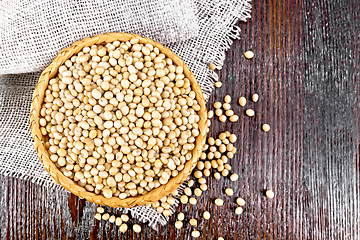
{"x": 33, "y": 31}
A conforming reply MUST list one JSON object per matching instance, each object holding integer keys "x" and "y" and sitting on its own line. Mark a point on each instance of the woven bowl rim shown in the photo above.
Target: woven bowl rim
{"x": 37, "y": 100}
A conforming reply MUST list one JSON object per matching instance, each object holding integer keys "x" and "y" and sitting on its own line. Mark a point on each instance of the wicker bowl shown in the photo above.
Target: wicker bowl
{"x": 70, "y": 185}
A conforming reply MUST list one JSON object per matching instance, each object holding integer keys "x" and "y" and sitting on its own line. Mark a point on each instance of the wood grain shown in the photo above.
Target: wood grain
{"x": 306, "y": 71}
{"x": 331, "y": 85}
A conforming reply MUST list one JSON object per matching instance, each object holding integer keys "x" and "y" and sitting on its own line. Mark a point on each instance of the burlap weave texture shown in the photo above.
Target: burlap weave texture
{"x": 199, "y": 31}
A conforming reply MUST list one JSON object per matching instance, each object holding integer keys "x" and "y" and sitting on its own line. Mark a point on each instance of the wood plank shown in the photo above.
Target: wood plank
{"x": 331, "y": 115}
{"x": 306, "y": 71}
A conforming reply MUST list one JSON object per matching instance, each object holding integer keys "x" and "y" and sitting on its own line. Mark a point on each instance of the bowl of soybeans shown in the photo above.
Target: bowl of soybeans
{"x": 118, "y": 119}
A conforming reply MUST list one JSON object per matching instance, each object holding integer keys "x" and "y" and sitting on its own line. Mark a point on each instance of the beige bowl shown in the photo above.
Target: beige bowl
{"x": 38, "y": 96}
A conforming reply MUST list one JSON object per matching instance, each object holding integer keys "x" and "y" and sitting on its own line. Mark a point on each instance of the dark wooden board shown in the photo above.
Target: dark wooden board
{"x": 306, "y": 71}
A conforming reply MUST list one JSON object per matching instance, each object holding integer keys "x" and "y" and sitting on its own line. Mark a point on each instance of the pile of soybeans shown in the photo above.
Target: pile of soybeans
{"x": 120, "y": 119}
